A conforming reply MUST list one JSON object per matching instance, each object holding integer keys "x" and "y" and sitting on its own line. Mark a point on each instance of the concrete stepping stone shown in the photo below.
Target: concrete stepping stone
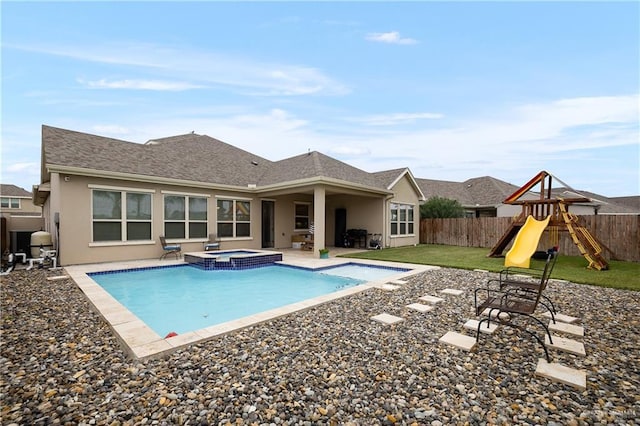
{"x": 563, "y": 374}
{"x": 398, "y": 282}
{"x": 461, "y": 341}
{"x": 387, "y": 319}
{"x": 561, "y": 317}
{"x": 431, "y": 299}
{"x": 389, "y": 287}
{"x": 452, "y": 291}
{"x": 420, "y": 307}
{"x": 566, "y": 345}
{"x": 473, "y": 325}
{"x": 563, "y": 327}
{"x": 521, "y": 276}
{"x": 60, "y": 277}
{"x": 494, "y": 314}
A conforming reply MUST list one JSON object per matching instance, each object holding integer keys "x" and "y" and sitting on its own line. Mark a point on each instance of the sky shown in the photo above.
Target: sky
{"x": 451, "y": 90}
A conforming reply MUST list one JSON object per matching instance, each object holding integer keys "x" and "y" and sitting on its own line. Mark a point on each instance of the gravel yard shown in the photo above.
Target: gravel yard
{"x": 331, "y": 364}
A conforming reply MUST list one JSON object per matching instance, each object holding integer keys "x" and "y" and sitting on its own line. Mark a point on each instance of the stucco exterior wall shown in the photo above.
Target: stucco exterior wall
{"x": 508, "y": 210}
{"x": 285, "y": 217}
{"x": 405, "y": 193}
{"x": 71, "y": 197}
{"x": 75, "y": 202}
{"x": 362, "y": 213}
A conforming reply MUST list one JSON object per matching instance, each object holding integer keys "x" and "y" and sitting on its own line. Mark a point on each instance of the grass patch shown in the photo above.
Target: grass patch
{"x": 621, "y": 275}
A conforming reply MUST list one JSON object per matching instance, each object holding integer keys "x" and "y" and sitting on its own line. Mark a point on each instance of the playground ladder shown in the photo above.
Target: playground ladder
{"x": 586, "y": 243}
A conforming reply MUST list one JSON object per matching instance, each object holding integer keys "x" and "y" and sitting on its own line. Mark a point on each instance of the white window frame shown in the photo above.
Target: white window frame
{"x": 187, "y": 196}
{"x": 409, "y": 225}
{"x": 10, "y": 201}
{"x": 123, "y": 220}
{"x": 234, "y": 221}
{"x": 295, "y": 216}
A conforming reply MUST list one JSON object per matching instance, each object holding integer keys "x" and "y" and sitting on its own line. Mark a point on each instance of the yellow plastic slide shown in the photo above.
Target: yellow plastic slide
{"x": 526, "y": 242}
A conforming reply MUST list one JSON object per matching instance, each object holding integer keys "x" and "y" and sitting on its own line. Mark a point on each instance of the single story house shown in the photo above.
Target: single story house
{"x": 110, "y": 200}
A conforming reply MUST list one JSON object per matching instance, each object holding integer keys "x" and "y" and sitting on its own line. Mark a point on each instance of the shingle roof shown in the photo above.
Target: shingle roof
{"x": 183, "y": 157}
{"x": 8, "y": 190}
{"x": 489, "y": 191}
{"x": 607, "y": 205}
{"x": 630, "y": 201}
{"x": 482, "y": 191}
{"x": 387, "y": 177}
{"x": 315, "y": 164}
{"x": 191, "y": 157}
{"x": 444, "y": 189}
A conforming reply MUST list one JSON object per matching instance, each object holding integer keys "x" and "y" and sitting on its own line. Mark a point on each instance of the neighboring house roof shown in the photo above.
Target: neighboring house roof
{"x": 7, "y": 190}
{"x": 191, "y": 159}
{"x": 487, "y": 191}
{"x": 484, "y": 191}
{"x": 632, "y": 201}
{"x": 606, "y": 205}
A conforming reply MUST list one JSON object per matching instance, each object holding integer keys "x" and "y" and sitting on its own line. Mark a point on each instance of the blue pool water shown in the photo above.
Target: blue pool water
{"x": 181, "y": 299}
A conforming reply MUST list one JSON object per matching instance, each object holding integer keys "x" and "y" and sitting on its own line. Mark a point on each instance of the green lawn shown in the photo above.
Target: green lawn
{"x": 621, "y": 275}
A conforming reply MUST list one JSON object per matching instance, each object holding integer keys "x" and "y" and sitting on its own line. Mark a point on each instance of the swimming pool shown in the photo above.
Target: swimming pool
{"x": 184, "y": 298}
{"x": 141, "y": 341}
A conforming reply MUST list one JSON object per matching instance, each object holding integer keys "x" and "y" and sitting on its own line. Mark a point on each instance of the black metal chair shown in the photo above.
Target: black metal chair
{"x": 510, "y": 302}
{"x": 526, "y": 282}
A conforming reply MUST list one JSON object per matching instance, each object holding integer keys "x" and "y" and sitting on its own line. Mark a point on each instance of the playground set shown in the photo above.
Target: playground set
{"x": 552, "y": 215}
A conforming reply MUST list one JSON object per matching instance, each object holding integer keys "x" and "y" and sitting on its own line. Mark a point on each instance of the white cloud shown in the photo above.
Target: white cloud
{"x": 202, "y": 67}
{"x": 530, "y": 135}
{"x": 158, "y": 85}
{"x": 396, "y": 118}
{"x": 567, "y": 137}
{"x": 348, "y": 151}
{"x": 392, "y": 37}
{"x": 23, "y": 167}
{"x": 23, "y": 174}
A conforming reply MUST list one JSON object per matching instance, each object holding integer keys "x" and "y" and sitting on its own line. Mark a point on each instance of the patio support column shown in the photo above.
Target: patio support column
{"x": 318, "y": 219}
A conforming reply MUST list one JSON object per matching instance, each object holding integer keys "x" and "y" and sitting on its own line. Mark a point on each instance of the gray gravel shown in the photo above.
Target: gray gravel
{"x": 332, "y": 364}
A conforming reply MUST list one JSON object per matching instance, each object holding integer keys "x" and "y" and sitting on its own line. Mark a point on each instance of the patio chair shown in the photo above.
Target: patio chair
{"x": 506, "y": 304}
{"x": 170, "y": 248}
{"x": 213, "y": 243}
{"x": 527, "y": 281}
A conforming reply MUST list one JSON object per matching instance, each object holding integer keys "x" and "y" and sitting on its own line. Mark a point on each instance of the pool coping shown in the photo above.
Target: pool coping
{"x": 140, "y": 341}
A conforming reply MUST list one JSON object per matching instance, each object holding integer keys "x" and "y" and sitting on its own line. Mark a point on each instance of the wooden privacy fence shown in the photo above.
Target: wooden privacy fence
{"x": 619, "y": 233}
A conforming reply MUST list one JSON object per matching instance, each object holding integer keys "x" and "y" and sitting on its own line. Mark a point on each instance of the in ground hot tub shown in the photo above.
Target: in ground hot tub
{"x": 232, "y": 259}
